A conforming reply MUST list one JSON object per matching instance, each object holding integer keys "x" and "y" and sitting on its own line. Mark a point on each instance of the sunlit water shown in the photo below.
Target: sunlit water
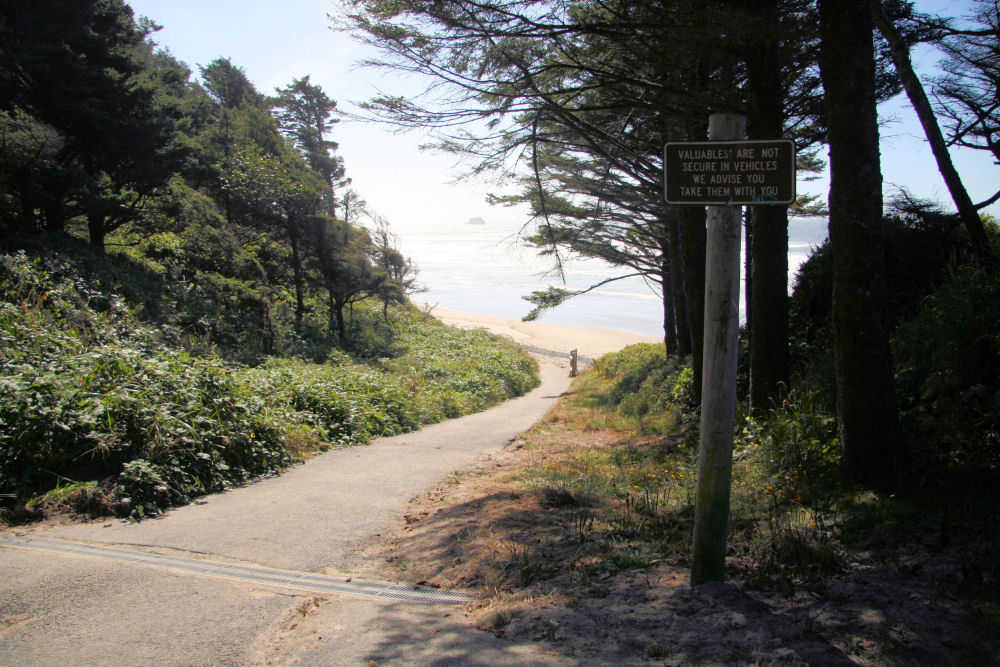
{"x": 482, "y": 269}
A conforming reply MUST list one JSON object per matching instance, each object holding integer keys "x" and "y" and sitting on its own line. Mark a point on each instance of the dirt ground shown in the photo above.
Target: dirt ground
{"x": 483, "y": 531}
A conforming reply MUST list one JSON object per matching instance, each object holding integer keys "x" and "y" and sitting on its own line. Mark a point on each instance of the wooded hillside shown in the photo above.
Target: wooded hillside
{"x": 190, "y": 292}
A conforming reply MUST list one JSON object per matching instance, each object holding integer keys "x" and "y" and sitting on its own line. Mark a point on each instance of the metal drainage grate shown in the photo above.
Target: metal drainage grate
{"x": 314, "y": 583}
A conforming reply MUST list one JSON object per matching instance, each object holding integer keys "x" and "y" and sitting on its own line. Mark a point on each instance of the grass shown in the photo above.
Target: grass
{"x": 81, "y": 498}
{"x": 587, "y": 518}
{"x": 630, "y": 496}
{"x": 618, "y": 493}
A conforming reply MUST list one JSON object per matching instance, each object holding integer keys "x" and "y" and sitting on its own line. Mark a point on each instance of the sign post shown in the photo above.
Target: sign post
{"x": 724, "y": 174}
{"x": 718, "y": 394}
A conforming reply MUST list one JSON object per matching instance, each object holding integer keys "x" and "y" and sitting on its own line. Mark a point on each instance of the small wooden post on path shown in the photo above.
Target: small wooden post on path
{"x": 718, "y": 395}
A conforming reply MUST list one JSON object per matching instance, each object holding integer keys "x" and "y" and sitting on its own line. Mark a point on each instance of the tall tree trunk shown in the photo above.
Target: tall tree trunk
{"x": 268, "y": 327}
{"x": 669, "y": 318}
{"x": 681, "y": 320}
{"x": 748, "y": 270}
{"x": 767, "y": 283}
{"x": 692, "y": 233}
{"x": 341, "y": 324}
{"x": 669, "y": 321}
{"x": 900, "y": 52}
{"x": 298, "y": 278}
{"x": 96, "y": 229}
{"x": 331, "y": 317}
{"x": 873, "y": 450}
{"x": 769, "y": 357}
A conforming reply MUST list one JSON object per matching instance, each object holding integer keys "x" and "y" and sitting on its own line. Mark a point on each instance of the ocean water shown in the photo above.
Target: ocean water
{"x": 483, "y": 269}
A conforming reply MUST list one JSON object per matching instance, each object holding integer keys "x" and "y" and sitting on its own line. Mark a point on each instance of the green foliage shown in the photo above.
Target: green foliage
{"x": 648, "y": 386}
{"x": 228, "y": 85}
{"x": 794, "y": 447}
{"x": 89, "y": 394}
{"x": 631, "y": 499}
{"x": 546, "y": 299}
{"x": 946, "y": 349}
{"x": 221, "y": 226}
{"x": 83, "y": 394}
{"x": 639, "y": 491}
{"x": 948, "y": 372}
{"x": 919, "y": 249}
{"x": 30, "y": 170}
{"x": 458, "y": 371}
{"x": 82, "y": 498}
{"x": 345, "y": 405}
{"x": 82, "y": 71}
{"x": 305, "y": 115}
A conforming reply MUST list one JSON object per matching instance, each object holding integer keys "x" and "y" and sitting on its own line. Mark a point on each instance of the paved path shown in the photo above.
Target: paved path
{"x": 100, "y": 609}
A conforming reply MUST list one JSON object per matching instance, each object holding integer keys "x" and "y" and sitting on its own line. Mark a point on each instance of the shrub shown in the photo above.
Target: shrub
{"x": 344, "y": 404}
{"x": 795, "y": 445}
{"x": 84, "y": 498}
{"x": 948, "y": 372}
{"x": 648, "y": 386}
{"x": 919, "y": 248}
{"x": 88, "y": 393}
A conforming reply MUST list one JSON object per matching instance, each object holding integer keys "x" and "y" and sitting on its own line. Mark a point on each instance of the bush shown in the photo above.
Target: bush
{"x": 87, "y": 393}
{"x": 92, "y": 413}
{"x": 946, "y": 341}
{"x": 918, "y": 249}
{"x": 343, "y": 404}
{"x": 795, "y": 446}
{"x": 452, "y": 371}
{"x": 648, "y": 386}
{"x": 948, "y": 372}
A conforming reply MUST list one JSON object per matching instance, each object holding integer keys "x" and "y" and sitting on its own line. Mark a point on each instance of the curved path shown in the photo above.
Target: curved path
{"x": 92, "y": 609}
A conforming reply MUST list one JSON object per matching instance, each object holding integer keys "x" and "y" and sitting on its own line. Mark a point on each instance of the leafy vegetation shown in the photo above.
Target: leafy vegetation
{"x": 189, "y": 296}
{"x": 90, "y": 394}
{"x": 944, "y": 345}
{"x": 631, "y": 502}
{"x": 616, "y": 487}
{"x": 948, "y": 372}
{"x": 615, "y": 466}
{"x": 232, "y": 206}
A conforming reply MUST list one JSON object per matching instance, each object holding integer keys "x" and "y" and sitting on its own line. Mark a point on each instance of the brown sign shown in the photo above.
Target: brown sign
{"x": 729, "y": 173}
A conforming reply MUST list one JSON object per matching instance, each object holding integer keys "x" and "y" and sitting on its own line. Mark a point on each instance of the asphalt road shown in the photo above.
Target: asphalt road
{"x": 69, "y": 610}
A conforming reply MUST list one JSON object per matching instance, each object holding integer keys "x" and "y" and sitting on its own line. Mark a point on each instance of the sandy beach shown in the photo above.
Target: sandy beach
{"x": 590, "y": 342}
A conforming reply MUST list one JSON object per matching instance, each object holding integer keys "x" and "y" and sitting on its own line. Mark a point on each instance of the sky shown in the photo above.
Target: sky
{"x": 276, "y": 42}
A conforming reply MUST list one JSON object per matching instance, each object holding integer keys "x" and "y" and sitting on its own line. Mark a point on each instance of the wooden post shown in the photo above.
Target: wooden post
{"x": 572, "y": 363}
{"x": 718, "y": 394}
